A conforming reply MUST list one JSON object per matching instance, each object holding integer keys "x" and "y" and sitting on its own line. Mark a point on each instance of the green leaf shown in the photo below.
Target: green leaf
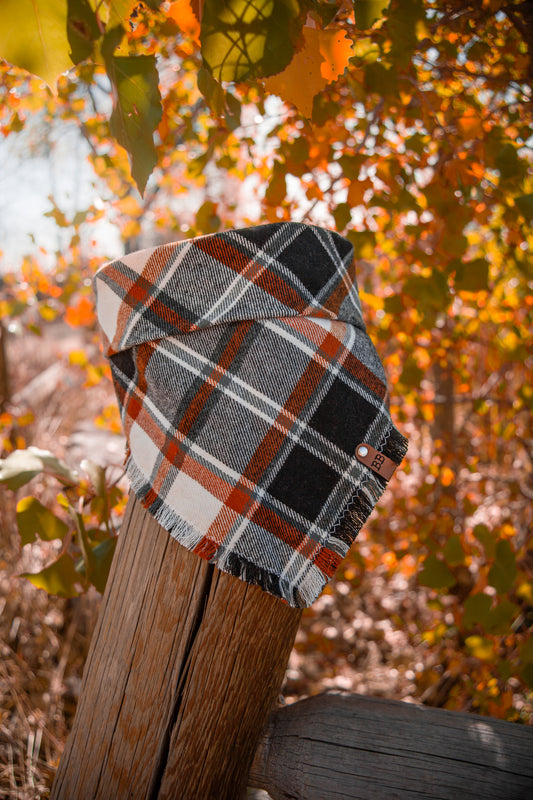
{"x": 55, "y": 466}
{"x": 453, "y": 551}
{"x": 402, "y": 26}
{"x": 351, "y": 165}
{"x": 526, "y": 674}
{"x": 524, "y": 203}
{"x": 232, "y": 114}
{"x": 526, "y": 651}
{"x": 472, "y": 276}
{"x": 501, "y": 618}
{"x": 101, "y": 558}
{"x": 33, "y": 35}
{"x": 364, "y": 243}
{"x": 82, "y": 29}
{"x": 430, "y": 292}
{"x": 476, "y": 609}
{"x": 507, "y": 162}
{"x": 380, "y": 79}
{"x": 503, "y": 572}
{"x": 19, "y": 468}
{"x": 416, "y": 143}
{"x": 436, "y": 574}
{"x": 393, "y": 304}
{"x": 365, "y": 50}
{"x": 34, "y": 518}
{"x": 212, "y": 91}
{"x": 368, "y": 11}
{"x": 324, "y": 109}
{"x": 136, "y": 111}
{"x": 486, "y": 538}
{"x": 244, "y": 39}
{"x": 59, "y": 578}
{"x": 505, "y": 669}
{"x": 22, "y": 465}
{"x": 411, "y": 373}
{"x": 342, "y": 215}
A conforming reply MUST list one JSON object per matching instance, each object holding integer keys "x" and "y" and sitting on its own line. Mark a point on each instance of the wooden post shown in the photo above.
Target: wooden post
{"x": 349, "y": 747}
{"x": 184, "y": 667}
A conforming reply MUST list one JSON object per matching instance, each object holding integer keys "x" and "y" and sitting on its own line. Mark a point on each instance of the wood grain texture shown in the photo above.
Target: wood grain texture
{"x": 349, "y": 747}
{"x": 184, "y": 667}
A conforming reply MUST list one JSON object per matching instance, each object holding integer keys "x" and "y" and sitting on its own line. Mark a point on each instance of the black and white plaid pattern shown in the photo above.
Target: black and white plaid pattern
{"x": 247, "y": 381}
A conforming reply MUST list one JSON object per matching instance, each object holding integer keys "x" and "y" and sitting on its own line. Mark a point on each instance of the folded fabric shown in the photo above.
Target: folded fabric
{"x": 253, "y": 401}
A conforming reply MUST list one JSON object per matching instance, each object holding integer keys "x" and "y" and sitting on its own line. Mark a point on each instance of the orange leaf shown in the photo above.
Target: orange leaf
{"x": 322, "y": 59}
{"x": 82, "y": 314}
{"x": 336, "y": 49}
{"x": 470, "y": 123}
{"x": 356, "y": 191}
{"x": 447, "y": 476}
{"x": 183, "y": 15}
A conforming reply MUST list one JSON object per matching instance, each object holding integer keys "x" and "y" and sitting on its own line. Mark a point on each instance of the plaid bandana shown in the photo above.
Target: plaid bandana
{"x": 253, "y": 401}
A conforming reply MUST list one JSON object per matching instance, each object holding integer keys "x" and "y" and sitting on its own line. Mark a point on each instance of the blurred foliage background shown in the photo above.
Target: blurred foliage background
{"x": 405, "y": 126}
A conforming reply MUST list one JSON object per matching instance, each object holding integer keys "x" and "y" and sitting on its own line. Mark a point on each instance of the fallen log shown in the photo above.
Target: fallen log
{"x": 350, "y": 747}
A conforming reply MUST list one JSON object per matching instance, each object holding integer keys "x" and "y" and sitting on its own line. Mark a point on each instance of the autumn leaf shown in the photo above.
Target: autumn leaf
{"x": 248, "y": 38}
{"x": 81, "y": 315}
{"x": 356, "y": 191}
{"x": 34, "y": 518}
{"x": 182, "y": 13}
{"x": 120, "y": 11}
{"x": 323, "y": 58}
{"x": 136, "y": 111}
{"x": 368, "y": 11}
{"x": 470, "y": 123}
{"x": 59, "y": 578}
{"x": 33, "y": 36}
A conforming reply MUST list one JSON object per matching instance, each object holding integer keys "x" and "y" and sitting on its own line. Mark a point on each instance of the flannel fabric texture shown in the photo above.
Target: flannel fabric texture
{"x": 247, "y": 382}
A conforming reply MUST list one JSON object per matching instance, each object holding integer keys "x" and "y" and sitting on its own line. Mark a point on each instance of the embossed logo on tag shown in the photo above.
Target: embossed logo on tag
{"x": 378, "y": 463}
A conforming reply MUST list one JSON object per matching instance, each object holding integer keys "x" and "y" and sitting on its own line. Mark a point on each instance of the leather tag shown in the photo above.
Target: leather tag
{"x": 378, "y": 463}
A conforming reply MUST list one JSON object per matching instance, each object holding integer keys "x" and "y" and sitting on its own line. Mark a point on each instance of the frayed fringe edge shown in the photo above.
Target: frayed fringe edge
{"x": 362, "y": 503}
{"x": 229, "y": 562}
{"x": 345, "y": 530}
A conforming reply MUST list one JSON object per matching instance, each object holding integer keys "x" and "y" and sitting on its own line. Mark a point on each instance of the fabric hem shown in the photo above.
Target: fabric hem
{"x": 363, "y": 501}
{"x": 188, "y": 536}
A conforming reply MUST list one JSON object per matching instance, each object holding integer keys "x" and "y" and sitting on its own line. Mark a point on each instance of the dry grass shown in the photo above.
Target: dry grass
{"x": 43, "y": 640}
{"x": 347, "y": 640}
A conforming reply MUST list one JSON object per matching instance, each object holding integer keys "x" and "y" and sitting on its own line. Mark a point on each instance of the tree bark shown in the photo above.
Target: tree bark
{"x": 5, "y": 394}
{"x": 349, "y": 747}
{"x": 184, "y": 667}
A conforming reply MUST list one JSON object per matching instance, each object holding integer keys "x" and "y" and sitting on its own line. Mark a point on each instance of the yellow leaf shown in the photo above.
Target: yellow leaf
{"x": 480, "y": 647}
{"x": 78, "y": 358}
{"x": 525, "y": 592}
{"x": 33, "y": 35}
{"x": 371, "y": 300}
{"x": 120, "y": 11}
{"x": 322, "y": 59}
